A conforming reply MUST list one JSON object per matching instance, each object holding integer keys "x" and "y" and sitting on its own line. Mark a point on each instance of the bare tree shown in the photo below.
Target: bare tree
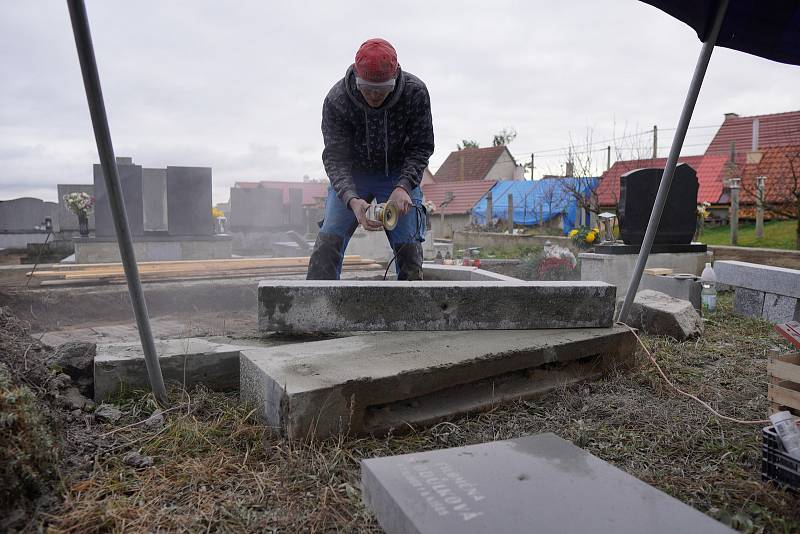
{"x": 467, "y": 143}
{"x": 781, "y": 195}
{"x": 504, "y": 137}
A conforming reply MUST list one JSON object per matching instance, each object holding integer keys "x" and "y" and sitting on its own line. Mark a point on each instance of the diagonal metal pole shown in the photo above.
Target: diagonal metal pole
{"x": 102, "y": 135}
{"x": 672, "y": 161}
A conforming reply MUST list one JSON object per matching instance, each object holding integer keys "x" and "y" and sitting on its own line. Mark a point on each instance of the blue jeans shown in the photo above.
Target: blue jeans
{"x": 340, "y": 222}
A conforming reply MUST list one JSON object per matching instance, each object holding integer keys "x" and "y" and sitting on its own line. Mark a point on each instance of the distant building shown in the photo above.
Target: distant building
{"x": 736, "y": 151}
{"x": 472, "y": 164}
{"x": 454, "y": 202}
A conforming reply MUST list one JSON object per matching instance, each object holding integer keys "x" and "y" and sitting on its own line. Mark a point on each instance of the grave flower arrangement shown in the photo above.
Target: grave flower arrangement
{"x": 584, "y": 236}
{"x": 81, "y": 204}
{"x": 702, "y": 214}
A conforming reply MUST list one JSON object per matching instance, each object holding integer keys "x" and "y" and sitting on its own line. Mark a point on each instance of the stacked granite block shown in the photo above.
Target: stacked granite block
{"x": 762, "y": 291}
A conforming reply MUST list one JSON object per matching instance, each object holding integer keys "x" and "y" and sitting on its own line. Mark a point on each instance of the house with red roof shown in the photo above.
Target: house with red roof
{"x": 779, "y": 167}
{"x": 453, "y": 203}
{"x": 736, "y": 150}
{"x": 471, "y": 164}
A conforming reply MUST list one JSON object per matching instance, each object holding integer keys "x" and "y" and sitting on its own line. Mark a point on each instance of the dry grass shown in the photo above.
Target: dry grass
{"x": 217, "y": 470}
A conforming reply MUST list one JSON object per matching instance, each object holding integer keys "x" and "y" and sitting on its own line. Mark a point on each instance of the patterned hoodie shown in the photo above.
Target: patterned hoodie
{"x": 394, "y": 140}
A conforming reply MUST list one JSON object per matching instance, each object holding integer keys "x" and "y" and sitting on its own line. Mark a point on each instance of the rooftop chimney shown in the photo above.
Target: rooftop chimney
{"x": 755, "y": 135}
{"x": 731, "y": 116}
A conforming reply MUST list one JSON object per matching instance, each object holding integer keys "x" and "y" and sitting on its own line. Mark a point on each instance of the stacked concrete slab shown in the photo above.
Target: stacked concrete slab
{"x": 387, "y": 381}
{"x": 310, "y": 306}
{"x": 762, "y": 291}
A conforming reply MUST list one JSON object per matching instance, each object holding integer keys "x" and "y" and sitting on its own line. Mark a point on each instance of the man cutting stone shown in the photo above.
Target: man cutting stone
{"x": 378, "y": 134}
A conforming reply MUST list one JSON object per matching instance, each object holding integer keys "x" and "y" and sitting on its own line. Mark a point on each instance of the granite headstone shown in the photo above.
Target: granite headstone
{"x": 637, "y": 196}
{"x": 25, "y": 214}
{"x": 154, "y": 199}
{"x": 130, "y": 177}
{"x": 539, "y": 483}
{"x": 256, "y": 209}
{"x": 189, "y": 201}
{"x": 296, "y": 214}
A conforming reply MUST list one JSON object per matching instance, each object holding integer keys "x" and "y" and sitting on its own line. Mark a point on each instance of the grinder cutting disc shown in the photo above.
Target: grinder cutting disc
{"x": 389, "y": 215}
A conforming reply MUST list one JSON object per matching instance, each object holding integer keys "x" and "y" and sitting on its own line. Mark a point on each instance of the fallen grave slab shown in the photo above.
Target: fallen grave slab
{"x": 301, "y": 306}
{"x": 373, "y": 383}
{"x": 541, "y": 484}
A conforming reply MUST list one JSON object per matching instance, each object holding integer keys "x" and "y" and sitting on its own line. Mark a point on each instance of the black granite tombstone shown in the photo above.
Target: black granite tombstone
{"x": 638, "y": 194}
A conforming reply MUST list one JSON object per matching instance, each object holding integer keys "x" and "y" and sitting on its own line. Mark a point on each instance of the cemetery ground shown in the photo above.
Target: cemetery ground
{"x": 777, "y": 234}
{"x": 206, "y": 464}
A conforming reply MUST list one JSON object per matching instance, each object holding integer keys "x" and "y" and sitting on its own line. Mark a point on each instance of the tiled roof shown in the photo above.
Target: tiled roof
{"x": 476, "y": 164}
{"x": 608, "y": 189}
{"x": 776, "y": 165}
{"x": 778, "y": 129}
{"x": 465, "y": 195}
{"x": 311, "y": 190}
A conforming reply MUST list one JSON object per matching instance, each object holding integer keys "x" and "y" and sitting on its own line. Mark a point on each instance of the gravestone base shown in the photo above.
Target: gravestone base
{"x": 154, "y": 248}
{"x": 387, "y": 381}
{"x": 617, "y": 269}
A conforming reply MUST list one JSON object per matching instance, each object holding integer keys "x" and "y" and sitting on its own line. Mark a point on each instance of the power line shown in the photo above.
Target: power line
{"x": 605, "y": 141}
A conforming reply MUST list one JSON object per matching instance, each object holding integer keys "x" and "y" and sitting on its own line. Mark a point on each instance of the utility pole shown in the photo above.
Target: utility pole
{"x": 531, "y": 165}
{"x": 489, "y": 209}
{"x": 608, "y": 157}
{"x": 760, "y": 206}
{"x": 511, "y": 214}
{"x": 733, "y": 183}
{"x": 655, "y": 141}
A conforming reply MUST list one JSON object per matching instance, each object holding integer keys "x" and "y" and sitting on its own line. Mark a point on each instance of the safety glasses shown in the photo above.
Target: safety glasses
{"x": 376, "y": 87}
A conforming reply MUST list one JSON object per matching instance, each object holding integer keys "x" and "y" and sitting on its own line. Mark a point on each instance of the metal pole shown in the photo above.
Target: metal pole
{"x": 655, "y": 141}
{"x": 672, "y": 160}
{"x": 102, "y": 135}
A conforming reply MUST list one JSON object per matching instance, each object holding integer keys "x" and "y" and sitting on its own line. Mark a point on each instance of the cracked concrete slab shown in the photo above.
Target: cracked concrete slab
{"x": 376, "y": 382}
{"x": 344, "y": 306}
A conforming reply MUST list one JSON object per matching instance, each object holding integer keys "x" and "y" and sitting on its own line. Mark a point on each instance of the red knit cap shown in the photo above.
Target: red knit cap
{"x": 376, "y": 61}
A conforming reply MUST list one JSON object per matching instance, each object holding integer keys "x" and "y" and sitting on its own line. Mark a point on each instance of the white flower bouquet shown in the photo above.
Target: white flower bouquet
{"x": 81, "y": 204}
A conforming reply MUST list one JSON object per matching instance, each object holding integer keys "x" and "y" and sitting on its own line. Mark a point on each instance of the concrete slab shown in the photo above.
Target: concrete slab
{"x": 617, "y": 269}
{"x": 777, "y": 280}
{"x": 461, "y": 273}
{"x": 680, "y": 286}
{"x": 188, "y": 361}
{"x": 541, "y": 484}
{"x": 341, "y": 306}
{"x": 381, "y": 381}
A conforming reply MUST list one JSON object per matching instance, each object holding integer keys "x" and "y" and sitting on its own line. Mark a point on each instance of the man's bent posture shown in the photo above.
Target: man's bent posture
{"x": 376, "y": 124}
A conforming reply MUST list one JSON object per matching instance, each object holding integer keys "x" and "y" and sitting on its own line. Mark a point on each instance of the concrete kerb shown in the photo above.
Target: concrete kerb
{"x": 190, "y": 362}
{"x": 322, "y": 306}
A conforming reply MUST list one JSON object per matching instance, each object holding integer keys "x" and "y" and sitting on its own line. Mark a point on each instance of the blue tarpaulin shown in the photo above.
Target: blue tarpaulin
{"x": 536, "y": 201}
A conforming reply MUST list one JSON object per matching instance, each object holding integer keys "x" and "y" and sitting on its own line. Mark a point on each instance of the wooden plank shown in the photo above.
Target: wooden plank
{"x": 785, "y": 394}
{"x": 179, "y": 269}
{"x": 786, "y": 367}
{"x": 658, "y": 271}
{"x": 297, "y": 260}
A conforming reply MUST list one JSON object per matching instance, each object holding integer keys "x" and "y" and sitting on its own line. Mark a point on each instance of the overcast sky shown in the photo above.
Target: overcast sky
{"x": 239, "y": 85}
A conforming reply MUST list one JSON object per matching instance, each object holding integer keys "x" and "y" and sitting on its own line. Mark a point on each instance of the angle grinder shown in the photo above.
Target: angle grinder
{"x": 386, "y": 214}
